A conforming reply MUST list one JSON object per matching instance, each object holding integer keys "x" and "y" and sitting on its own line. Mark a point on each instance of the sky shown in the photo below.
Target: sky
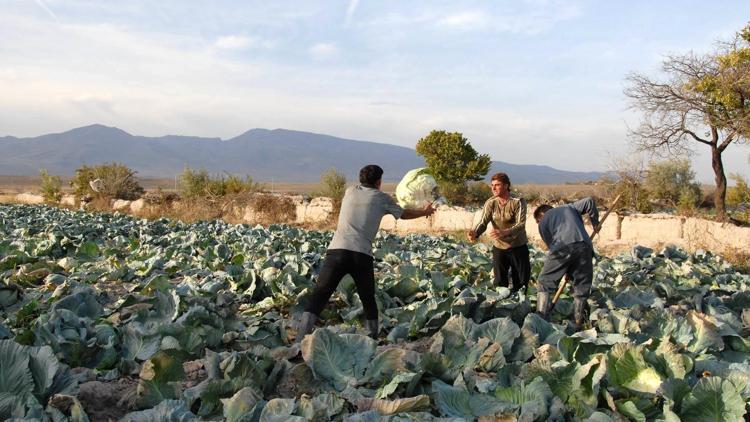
{"x": 526, "y": 81}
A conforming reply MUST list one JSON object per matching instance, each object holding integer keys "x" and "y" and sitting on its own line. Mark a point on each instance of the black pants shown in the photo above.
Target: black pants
{"x": 574, "y": 260}
{"x": 517, "y": 261}
{"x": 337, "y": 264}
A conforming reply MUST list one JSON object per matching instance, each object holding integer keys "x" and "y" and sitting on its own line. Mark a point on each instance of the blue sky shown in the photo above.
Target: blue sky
{"x": 528, "y": 82}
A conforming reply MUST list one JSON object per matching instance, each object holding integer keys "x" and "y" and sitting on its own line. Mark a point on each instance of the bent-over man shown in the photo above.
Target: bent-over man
{"x": 350, "y": 251}
{"x": 570, "y": 253}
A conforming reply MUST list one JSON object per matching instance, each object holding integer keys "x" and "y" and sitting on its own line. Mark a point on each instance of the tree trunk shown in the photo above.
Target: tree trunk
{"x": 721, "y": 183}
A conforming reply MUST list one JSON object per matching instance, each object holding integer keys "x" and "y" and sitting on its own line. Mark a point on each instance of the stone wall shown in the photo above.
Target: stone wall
{"x": 618, "y": 231}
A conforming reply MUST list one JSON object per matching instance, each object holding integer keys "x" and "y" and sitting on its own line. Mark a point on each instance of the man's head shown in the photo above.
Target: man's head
{"x": 371, "y": 175}
{"x": 500, "y": 183}
{"x": 539, "y": 212}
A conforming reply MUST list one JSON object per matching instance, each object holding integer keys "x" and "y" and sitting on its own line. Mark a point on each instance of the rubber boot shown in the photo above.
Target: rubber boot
{"x": 580, "y": 309}
{"x": 373, "y": 328}
{"x": 542, "y": 305}
{"x": 306, "y": 325}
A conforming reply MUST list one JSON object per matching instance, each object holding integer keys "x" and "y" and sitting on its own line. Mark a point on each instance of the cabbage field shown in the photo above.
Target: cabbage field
{"x": 108, "y": 317}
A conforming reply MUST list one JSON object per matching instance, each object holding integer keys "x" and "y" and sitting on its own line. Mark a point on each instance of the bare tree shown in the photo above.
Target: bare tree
{"x": 704, "y": 99}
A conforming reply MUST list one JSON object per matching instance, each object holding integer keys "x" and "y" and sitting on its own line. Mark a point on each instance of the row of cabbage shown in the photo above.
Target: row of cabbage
{"x": 128, "y": 297}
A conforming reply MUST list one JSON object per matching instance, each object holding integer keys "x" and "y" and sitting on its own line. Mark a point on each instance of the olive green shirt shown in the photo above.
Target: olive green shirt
{"x": 511, "y": 216}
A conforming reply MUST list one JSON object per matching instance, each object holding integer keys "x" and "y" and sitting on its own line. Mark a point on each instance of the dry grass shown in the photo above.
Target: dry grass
{"x": 740, "y": 259}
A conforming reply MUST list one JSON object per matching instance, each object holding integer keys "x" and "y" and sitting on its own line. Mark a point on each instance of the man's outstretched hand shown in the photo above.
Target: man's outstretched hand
{"x": 428, "y": 210}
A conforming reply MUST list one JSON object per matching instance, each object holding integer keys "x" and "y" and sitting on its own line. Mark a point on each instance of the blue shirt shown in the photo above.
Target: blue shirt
{"x": 563, "y": 225}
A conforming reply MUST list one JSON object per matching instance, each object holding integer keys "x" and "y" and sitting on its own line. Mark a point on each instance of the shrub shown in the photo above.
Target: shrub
{"x": 739, "y": 193}
{"x": 454, "y": 193}
{"x": 477, "y": 193}
{"x": 688, "y": 201}
{"x": 198, "y": 183}
{"x": 117, "y": 181}
{"x": 672, "y": 182}
{"x": 51, "y": 186}
{"x": 629, "y": 185}
{"x": 333, "y": 184}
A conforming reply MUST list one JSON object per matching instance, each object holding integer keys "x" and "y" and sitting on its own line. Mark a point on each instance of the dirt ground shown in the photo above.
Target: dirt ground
{"x": 108, "y": 401}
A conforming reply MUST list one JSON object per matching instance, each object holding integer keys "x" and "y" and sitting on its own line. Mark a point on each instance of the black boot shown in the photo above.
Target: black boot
{"x": 580, "y": 312}
{"x": 306, "y": 325}
{"x": 542, "y": 305}
{"x": 373, "y": 328}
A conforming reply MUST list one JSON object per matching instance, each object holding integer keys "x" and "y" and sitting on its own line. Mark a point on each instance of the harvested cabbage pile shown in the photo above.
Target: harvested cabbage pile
{"x": 195, "y": 321}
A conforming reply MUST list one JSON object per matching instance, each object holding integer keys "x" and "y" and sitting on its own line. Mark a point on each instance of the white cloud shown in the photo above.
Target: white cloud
{"x": 465, "y": 20}
{"x": 233, "y": 42}
{"x": 324, "y": 50}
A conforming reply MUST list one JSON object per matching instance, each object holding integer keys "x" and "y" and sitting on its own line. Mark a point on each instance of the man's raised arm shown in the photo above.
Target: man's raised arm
{"x": 588, "y": 206}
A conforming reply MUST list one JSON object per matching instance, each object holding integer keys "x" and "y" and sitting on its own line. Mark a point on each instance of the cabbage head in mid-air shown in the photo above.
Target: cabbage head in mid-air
{"x": 417, "y": 189}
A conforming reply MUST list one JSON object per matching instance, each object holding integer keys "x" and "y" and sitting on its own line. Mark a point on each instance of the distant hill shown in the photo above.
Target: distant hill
{"x": 281, "y": 155}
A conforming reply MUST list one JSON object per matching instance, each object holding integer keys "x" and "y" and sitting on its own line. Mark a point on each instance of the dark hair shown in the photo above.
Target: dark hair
{"x": 502, "y": 178}
{"x": 540, "y": 210}
{"x": 370, "y": 174}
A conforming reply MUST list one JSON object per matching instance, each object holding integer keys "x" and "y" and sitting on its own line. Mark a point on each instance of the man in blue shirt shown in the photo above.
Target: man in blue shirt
{"x": 570, "y": 253}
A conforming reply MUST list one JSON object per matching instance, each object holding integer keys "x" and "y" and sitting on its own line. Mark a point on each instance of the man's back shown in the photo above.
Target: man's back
{"x": 362, "y": 209}
{"x": 562, "y": 226}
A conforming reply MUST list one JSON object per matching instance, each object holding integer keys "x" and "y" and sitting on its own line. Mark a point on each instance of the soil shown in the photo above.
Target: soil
{"x": 298, "y": 380}
{"x": 108, "y": 400}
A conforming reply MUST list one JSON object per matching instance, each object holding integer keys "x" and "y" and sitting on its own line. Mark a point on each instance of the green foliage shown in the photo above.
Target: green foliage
{"x": 205, "y": 313}
{"x": 451, "y": 158}
{"x": 703, "y": 100}
{"x": 198, "y": 183}
{"x": 29, "y": 377}
{"x": 118, "y": 181}
{"x": 477, "y": 193}
{"x": 51, "y": 186}
{"x": 464, "y": 194}
{"x": 333, "y": 184}
{"x": 672, "y": 182}
{"x": 740, "y": 192}
{"x": 633, "y": 194}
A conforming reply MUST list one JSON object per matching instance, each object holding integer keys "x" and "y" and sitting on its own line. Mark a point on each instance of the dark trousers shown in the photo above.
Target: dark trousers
{"x": 574, "y": 260}
{"x": 337, "y": 264}
{"x": 517, "y": 261}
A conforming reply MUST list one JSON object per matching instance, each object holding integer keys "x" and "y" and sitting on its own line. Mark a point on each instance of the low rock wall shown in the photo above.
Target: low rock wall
{"x": 619, "y": 231}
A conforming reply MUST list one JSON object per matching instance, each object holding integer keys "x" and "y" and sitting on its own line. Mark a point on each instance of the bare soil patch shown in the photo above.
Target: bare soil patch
{"x": 108, "y": 400}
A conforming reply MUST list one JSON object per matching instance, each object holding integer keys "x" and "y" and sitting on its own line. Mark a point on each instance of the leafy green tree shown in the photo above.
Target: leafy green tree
{"x": 704, "y": 99}
{"x": 451, "y": 158}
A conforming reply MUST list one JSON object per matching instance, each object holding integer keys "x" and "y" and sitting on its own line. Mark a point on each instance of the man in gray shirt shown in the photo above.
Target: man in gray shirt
{"x": 570, "y": 253}
{"x": 350, "y": 251}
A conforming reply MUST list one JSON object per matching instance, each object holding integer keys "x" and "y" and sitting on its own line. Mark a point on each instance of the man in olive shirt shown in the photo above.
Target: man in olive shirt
{"x": 350, "y": 251}
{"x": 570, "y": 253}
{"x": 509, "y": 243}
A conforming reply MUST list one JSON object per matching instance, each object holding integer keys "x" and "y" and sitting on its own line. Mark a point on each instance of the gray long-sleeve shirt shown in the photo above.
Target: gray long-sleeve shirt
{"x": 563, "y": 225}
{"x": 361, "y": 211}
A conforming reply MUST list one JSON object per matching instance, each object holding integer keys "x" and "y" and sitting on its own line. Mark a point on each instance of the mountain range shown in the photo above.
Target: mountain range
{"x": 280, "y": 155}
